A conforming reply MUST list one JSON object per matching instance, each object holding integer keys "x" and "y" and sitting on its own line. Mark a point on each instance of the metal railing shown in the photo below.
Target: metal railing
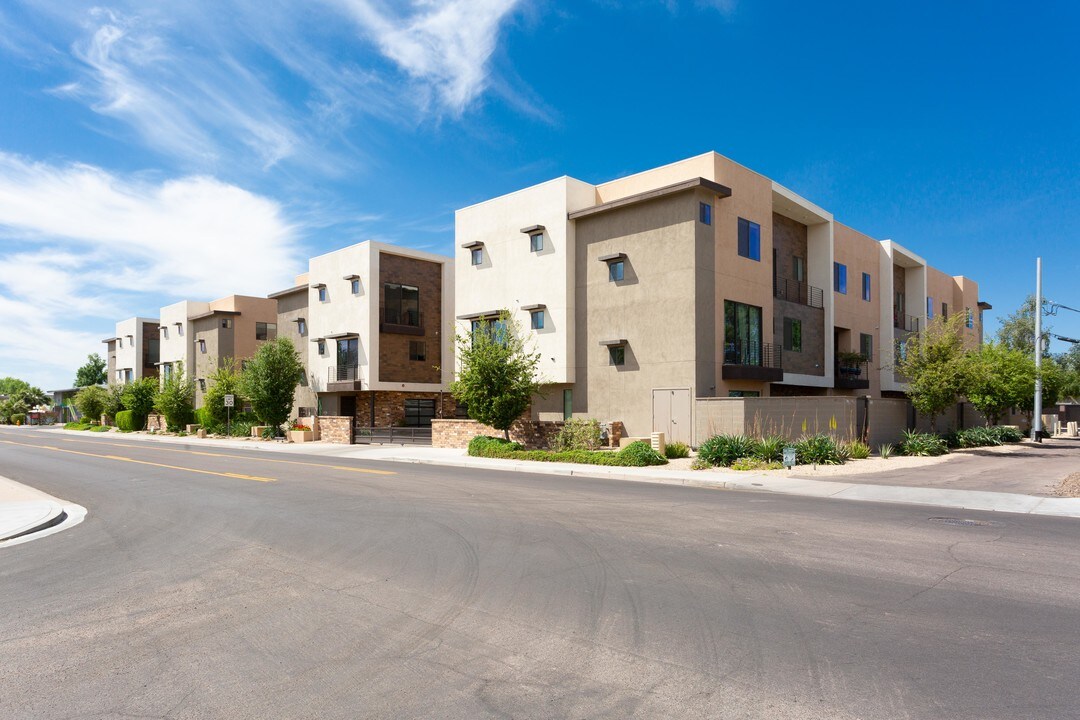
{"x": 392, "y": 435}
{"x": 798, "y": 292}
{"x": 849, "y": 370}
{"x": 343, "y": 373}
{"x": 909, "y": 323}
{"x": 406, "y": 319}
{"x": 760, "y": 354}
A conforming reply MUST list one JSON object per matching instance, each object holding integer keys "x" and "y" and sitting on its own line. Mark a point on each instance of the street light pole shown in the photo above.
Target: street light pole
{"x": 1036, "y": 425}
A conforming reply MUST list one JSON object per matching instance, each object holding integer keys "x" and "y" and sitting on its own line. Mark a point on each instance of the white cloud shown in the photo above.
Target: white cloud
{"x": 80, "y": 247}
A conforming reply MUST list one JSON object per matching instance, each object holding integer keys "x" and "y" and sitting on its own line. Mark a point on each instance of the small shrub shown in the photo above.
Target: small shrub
{"x": 18, "y": 418}
{"x": 885, "y": 450}
{"x": 857, "y": 449}
{"x": 770, "y": 448}
{"x": 640, "y": 453}
{"x": 484, "y": 446}
{"x": 700, "y": 464}
{"x": 726, "y": 449}
{"x": 100, "y": 428}
{"x": 578, "y": 434}
{"x": 676, "y": 450}
{"x": 917, "y": 444}
{"x": 1006, "y": 433}
{"x": 818, "y": 450}
{"x": 753, "y": 463}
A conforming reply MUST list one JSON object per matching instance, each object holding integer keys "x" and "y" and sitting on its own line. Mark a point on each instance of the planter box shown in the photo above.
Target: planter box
{"x": 257, "y": 430}
{"x": 299, "y": 436}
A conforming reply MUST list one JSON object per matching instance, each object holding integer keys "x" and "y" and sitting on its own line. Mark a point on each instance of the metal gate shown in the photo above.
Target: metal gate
{"x": 672, "y": 414}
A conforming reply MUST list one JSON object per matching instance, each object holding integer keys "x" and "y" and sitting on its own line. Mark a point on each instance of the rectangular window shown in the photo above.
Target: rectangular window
{"x": 840, "y": 278}
{"x": 970, "y": 322}
{"x": 417, "y": 350}
{"x": 202, "y": 385}
{"x": 536, "y": 319}
{"x": 265, "y": 331}
{"x": 901, "y": 350}
{"x": 617, "y": 354}
{"x": 494, "y": 328}
{"x": 705, "y": 213}
{"x": 866, "y": 287}
{"x": 615, "y": 271}
{"x": 355, "y": 286}
{"x": 744, "y": 393}
{"x": 944, "y": 311}
{"x": 322, "y": 347}
{"x": 749, "y": 239}
{"x": 800, "y": 269}
{"x": 301, "y": 326}
{"x": 226, "y": 323}
{"x": 929, "y": 308}
{"x": 166, "y": 371}
{"x": 792, "y": 335}
{"x": 402, "y": 304}
{"x": 120, "y": 343}
{"x": 742, "y": 334}
{"x": 477, "y": 255}
{"x": 165, "y": 333}
{"x": 866, "y": 345}
{"x": 202, "y": 346}
{"x": 419, "y": 412}
{"x": 128, "y": 376}
{"x": 322, "y": 294}
{"x": 348, "y": 353}
{"x": 536, "y": 242}
{"x": 567, "y": 403}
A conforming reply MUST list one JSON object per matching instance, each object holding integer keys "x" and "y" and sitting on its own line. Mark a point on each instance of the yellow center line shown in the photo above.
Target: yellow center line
{"x": 142, "y": 462}
{"x": 232, "y": 457}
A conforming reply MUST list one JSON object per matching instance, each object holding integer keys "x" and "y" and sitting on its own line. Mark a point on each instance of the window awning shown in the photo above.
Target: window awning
{"x": 471, "y": 245}
{"x": 338, "y": 336}
{"x": 350, "y": 277}
{"x": 613, "y": 343}
{"x": 477, "y": 316}
{"x": 537, "y": 306}
{"x": 533, "y": 229}
{"x": 612, "y": 257}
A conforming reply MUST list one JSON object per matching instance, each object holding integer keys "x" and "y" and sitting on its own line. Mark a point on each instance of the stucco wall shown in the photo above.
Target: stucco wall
{"x": 290, "y": 308}
{"x": 177, "y": 344}
{"x": 861, "y": 254}
{"x": 787, "y": 416}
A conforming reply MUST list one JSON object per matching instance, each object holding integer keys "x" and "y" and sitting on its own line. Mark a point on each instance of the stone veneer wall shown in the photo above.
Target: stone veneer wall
{"x": 154, "y": 421}
{"x": 532, "y": 434}
{"x": 336, "y": 429}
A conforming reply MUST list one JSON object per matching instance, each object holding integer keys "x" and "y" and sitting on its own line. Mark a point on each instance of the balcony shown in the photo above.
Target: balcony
{"x": 343, "y": 378}
{"x": 753, "y": 361}
{"x": 851, "y": 375}
{"x": 397, "y": 322}
{"x": 907, "y": 323}
{"x": 798, "y": 292}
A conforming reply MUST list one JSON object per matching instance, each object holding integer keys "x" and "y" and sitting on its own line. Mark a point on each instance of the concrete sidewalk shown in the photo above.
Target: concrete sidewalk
{"x": 939, "y": 497}
{"x": 26, "y": 513}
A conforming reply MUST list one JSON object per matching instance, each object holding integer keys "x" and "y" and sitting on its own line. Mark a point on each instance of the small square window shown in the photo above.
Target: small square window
{"x": 355, "y": 286}
{"x": 417, "y": 350}
{"x": 322, "y": 347}
{"x": 265, "y": 331}
{"x": 226, "y": 323}
{"x": 477, "y": 256}
{"x": 792, "y": 335}
{"x": 705, "y": 213}
{"x": 202, "y": 385}
{"x": 322, "y": 294}
{"x": 617, "y": 354}
{"x": 615, "y": 271}
{"x": 536, "y": 242}
{"x": 536, "y": 319}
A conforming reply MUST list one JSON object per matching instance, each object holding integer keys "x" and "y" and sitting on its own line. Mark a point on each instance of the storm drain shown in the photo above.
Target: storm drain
{"x": 965, "y": 522}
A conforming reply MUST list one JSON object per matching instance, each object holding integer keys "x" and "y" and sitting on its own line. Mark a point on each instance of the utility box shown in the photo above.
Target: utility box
{"x": 657, "y": 442}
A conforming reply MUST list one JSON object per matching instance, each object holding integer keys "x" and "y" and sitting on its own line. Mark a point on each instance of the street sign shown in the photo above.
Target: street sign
{"x": 789, "y": 457}
{"x": 230, "y": 401}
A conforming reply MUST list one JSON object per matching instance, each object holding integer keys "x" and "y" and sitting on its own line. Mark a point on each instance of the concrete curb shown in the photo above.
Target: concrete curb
{"x": 27, "y": 514}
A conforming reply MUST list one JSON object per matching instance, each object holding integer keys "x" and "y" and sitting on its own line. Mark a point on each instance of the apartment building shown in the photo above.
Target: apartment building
{"x": 132, "y": 353}
{"x": 204, "y": 335}
{"x": 292, "y": 322}
{"x": 694, "y": 280}
{"x": 376, "y": 321}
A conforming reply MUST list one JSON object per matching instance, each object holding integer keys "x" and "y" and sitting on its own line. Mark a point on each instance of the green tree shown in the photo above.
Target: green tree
{"x": 934, "y": 368}
{"x": 92, "y": 373}
{"x": 138, "y": 397}
{"x": 1053, "y": 378}
{"x": 497, "y": 373}
{"x": 1017, "y": 329}
{"x": 996, "y": 378}
{"x": 91, "y": 401}
{"x": 1069, "y": 362}
{"x": 226, "y": 380}
{"x": 115, "y": 401}
{"x": 176, "y": 399}
{"x": 270, "y": 380}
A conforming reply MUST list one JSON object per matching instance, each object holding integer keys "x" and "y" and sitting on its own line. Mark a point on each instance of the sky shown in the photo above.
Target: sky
{"x": 152, "y": 152}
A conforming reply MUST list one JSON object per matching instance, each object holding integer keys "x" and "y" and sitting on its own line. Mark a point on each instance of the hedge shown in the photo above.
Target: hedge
{"x": 128, "y": 421}
{"x": 636, "y": 454}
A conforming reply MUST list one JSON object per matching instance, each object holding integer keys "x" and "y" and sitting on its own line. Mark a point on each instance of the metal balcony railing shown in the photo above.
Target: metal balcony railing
{"x": 850, "y": 370}
{"x": 408, "y": 318}
{"x": 344, "y": 373}
{"x": 798, "y": 292}
{"x": 759, "y": 354}
{"x": 908, "y": 323}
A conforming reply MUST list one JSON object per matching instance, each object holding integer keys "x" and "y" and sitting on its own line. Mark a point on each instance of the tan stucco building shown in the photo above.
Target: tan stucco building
{"x": 132, "y": 353}
{"x": 697, "y": 279}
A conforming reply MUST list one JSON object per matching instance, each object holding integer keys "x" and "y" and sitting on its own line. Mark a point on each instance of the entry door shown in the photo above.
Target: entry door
{"x": 671, "y": 414}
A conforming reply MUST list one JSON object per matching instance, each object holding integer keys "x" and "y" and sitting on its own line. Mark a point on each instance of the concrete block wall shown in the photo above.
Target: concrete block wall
{"x": 787, "y": 416}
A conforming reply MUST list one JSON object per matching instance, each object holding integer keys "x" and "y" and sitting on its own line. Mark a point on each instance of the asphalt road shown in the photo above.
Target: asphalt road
{"x": 233, "y": 584}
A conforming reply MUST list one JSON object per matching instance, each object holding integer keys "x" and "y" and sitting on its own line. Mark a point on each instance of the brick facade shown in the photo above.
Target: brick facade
{"x": 336, "y": 429}
{"x": 390, "y": 407}
{"x": 532, "y": 434}
{"x": 395, "y": 364}
{"x": 154, "y": 421}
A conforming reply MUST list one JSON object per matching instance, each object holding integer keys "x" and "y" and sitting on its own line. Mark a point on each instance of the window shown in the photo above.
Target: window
{"x": 166, "y": 371}
{"x": 129, "y": 375}
{"x": 120, "y": 343}
{"x": 970, "y": 322}
{"x": 536, "y": 242}
{"x": 494, "y": 328}
{"x": 901, "y": 350}
{"x": 202, "y": 385}
{"x": 840, "y": 278}
{"x": 866, "y": 287}
{"x": 617, "y": 354}
{"x": 792, "y": 335}
{"x": 354, "y": 285}
{"x": 303, "y": 379}
{"x": 322, "y": 293}
{"x": 800, "y": 269}
{"x": 866, "y": 345}
{"x": 615, "y": 271}
{"x": 417, "y": 350}
{"x": 322, "y": 347}
{"x": 301, "y": 326}
{"x": 742, "y": 334}
{"x": 265, "y": 331}
{"x": 477, "y": 255}
{"x": 705, "y": 213}
{"x": 165, "y": 332}
{"x": 929, "y": 308}
{"x": 744, "y": 393}
{"x": 419, "y": 412}
{"x": 402, "y": 304}
{"x": 567, "y": 403}
{"x": 202, "y": 346}
{"x": 348, "y": 353}
{"x": 536, "y": 319}
{"x": 226, "y": 323}
{"x": 944, "y": 311}
{"x": 749, "y": 239}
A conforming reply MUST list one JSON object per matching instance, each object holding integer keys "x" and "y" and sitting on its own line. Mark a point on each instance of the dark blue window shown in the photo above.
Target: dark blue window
{"x": 705, "y": 213}
{"x": 840, "y": 278}
{"x": 749, "y": 239}
{"x": 866, "y": 287}
{"x": 615, "y": 271}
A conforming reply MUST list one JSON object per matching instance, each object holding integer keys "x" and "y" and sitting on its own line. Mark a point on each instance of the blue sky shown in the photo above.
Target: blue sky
{"x": 151, "y": 152}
